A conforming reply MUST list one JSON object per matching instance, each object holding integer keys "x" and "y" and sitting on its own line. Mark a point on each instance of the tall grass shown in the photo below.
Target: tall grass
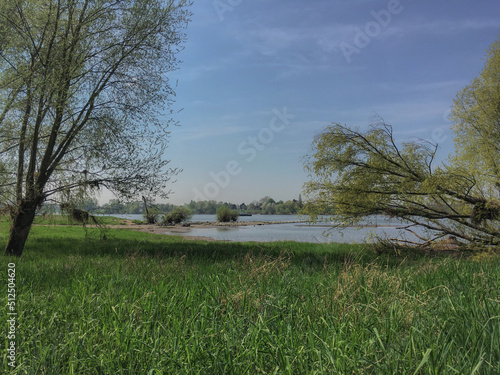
{"x": 146, "y": 304}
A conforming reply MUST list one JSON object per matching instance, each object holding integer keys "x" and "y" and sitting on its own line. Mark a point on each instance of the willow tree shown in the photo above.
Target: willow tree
{"x": 84, "y": 93}
{"x": 476, "y": 123}
{"x": 360, "y": 173}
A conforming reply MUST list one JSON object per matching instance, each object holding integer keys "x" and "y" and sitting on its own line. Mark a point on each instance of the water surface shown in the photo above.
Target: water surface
{"x": 376, "y": 225}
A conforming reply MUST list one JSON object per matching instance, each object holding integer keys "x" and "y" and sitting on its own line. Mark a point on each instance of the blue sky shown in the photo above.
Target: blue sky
{"x": 259, "y": 79}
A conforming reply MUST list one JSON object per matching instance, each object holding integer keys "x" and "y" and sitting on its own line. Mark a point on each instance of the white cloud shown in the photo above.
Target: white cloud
{"x": 443, "y": 27}
{"x": 273, "y": 41}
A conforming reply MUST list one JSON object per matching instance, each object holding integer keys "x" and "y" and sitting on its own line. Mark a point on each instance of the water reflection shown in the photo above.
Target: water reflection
{"x": 297, "y": 232}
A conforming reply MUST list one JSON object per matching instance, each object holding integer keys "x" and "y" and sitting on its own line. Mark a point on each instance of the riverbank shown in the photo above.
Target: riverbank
{"x": 266, "y": 231}
{"x": 157, "y": 228}
{"x": 184, "y": 230}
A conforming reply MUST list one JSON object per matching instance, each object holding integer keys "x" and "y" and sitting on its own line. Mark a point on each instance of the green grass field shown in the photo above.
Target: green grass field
{"x": 149, "y": 304}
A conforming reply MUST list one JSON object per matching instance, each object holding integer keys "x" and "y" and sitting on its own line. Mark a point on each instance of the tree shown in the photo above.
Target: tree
{"x": 83, "y": 88}
{"x": 264, "y": 200}
{"x": 364, "y": 173}
{"x": 151, "y": 213}
{"x": 254, "y": 207}
{"x": 269, "y": 208}
{"x": 134, "y": 208}
{"x": 225, "y": 214}
{"x": 114, "y": 206}
{"x": 476, "y": 122}
{"x": 90, "y": 205}
{"x": 177, "y": 216}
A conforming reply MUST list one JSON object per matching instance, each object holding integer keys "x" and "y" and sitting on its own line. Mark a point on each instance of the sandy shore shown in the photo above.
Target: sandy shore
{"x": 202, "y": 224}
{"x": 156, "y": 229}
{"x": 182, "y": 230}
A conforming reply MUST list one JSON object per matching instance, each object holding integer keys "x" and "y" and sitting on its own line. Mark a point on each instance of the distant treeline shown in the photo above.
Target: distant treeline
{"x": 265, "y": 205}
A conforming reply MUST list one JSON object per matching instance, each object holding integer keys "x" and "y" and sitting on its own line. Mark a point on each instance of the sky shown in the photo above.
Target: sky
{"x": 259, "y": 79}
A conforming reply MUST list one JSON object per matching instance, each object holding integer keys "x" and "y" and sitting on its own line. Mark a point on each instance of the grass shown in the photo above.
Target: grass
{"x": 65, "y": 220}
{"x": 148, "y": 304}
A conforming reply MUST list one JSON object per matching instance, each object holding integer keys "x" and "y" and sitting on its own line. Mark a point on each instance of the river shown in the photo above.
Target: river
{"x": 376, "y": 225}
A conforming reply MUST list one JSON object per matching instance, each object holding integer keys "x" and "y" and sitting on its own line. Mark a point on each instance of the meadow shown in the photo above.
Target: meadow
{"x": 139, "y": 303}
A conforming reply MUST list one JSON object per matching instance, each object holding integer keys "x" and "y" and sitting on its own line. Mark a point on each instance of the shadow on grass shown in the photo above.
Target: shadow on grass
{"x": 59, "y": 242}
{"x": 61, "y": 255}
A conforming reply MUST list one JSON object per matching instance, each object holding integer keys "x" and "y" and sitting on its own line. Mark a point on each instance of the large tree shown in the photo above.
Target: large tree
{"x": 360, "y": 173}
{"x": 476, "y": 122}
{"x": 83, "y": 93}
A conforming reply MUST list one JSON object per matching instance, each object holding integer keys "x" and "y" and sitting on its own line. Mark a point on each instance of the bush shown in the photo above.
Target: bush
{"x": 225, "y": 214}
{"x": 177, "y": 216}
{"x": 152, "y": 216}
{"x": 151, "y": 219}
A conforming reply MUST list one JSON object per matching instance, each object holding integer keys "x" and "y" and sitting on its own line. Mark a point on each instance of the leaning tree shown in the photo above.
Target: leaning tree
{"x": 84, "y": 99}
{"x": 360, "y": 173}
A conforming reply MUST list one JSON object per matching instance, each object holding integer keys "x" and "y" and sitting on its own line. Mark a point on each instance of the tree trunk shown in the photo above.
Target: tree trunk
{"x": 20, "y": 229}
{"x": 145, "y": 206}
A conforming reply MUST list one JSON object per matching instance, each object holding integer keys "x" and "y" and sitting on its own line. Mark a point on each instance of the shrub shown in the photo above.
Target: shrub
{"x": 152, "y": 216}
{"x": 178, "y": 215}
{"x": 225, "y": 214}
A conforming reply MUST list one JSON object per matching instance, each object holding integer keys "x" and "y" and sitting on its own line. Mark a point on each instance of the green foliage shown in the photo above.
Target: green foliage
{"x": 475, "y": 115}
{"x": 116, "y": 206}
{"x": 52, "y": 220}
{"x": 365, "y": 173}
{"x": 81, "y": 85}
{"x": 151, "y": 217}
{"x": 177, "y": 216}
{"x": 225, "y": 214}
{"x": 83, "y": 91}
{"x": 360, "y": 173}
{"x": 204, "y": 207}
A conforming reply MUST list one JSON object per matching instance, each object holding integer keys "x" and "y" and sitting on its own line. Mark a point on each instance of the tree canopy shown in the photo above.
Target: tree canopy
{"x": 83, "y": 94}
{"x": 360, "y": 173}
{"x": 476, "y": 122}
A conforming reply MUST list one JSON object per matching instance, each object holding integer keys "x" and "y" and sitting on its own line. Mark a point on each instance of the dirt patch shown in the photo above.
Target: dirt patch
{"x": 156, "y": 229}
